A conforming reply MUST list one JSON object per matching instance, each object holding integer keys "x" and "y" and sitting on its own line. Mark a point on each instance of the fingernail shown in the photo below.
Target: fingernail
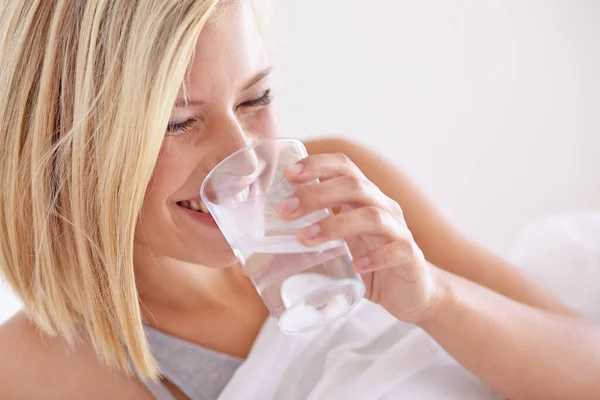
{"x": 290, "y": 205}
{"x": 311, "y": 231}
{"x": 295, "y": 169}
{"x": 362, "y": 262}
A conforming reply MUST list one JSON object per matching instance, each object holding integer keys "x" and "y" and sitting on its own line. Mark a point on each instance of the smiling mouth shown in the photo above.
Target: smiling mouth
{"x": 194, "y": 205}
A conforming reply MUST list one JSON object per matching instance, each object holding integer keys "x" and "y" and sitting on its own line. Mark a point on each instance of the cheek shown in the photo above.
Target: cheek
{"x": 263, "y": 124}
{"x": 169, "y": 175}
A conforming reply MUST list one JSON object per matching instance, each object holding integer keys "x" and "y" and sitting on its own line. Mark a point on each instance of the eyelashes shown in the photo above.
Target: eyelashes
{"x": 264, "y": 100}
{"x": 178, "y": 128}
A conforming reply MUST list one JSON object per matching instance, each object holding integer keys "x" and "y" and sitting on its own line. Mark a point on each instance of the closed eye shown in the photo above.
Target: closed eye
{"x": 264, "y": 100}
{"x": 178, "y": 128}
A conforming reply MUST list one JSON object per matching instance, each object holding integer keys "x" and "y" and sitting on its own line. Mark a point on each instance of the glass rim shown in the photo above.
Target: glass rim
{"x": 238, "y": 151}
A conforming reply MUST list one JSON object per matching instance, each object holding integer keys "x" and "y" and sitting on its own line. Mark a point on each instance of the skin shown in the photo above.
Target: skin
{"x": 503, "y": 328}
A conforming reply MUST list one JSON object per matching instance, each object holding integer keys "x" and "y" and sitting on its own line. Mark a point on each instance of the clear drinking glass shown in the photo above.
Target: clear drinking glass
{"x": 304, "y": 288}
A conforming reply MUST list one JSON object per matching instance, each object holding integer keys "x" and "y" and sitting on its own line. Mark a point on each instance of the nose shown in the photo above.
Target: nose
{"x": 228, "y": 141}
{"x": 235, "y": 166}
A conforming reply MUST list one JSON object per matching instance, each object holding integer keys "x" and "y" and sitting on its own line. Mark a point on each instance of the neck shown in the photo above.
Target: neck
{"x": 179, "y": 287}
{"x": 215, "y": 308}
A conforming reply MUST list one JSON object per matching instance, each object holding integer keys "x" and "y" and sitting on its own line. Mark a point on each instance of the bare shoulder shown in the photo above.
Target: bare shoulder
{"x": 335, "y": 144}
{"x": 373, "y": 164}
{"x": 381, "y": 171}
{"x": 35, "y": 365}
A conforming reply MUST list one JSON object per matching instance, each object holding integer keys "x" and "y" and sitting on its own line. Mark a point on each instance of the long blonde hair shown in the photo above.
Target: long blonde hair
{"x": 87, "y": 87}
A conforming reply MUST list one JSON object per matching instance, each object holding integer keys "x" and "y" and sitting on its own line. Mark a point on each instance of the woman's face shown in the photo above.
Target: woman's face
{"x": 223, "y": 106}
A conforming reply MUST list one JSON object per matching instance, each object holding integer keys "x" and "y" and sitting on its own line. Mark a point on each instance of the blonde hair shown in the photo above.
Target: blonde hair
{"x": 87, "y": 90}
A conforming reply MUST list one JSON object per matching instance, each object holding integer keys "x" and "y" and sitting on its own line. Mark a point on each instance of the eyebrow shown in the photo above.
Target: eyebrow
{"x": 186, "y": 102}
{"x": 257, "y": 78}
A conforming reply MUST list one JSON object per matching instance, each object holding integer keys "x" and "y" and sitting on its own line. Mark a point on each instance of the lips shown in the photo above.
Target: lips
{"x": 195, "y": 205}
{"x": 196, "y": 210}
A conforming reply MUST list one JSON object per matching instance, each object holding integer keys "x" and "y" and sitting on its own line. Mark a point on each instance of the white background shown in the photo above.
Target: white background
{"x": 492, "y": 106}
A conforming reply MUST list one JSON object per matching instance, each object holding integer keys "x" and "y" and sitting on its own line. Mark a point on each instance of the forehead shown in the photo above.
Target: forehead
{"x": 229, "y": 51}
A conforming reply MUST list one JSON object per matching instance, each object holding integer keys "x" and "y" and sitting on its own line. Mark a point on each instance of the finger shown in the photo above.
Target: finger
{"x": 369, "y": 220}
{"x": 402, "y": 253}
{"x": 342, "y": 190}
{"x": 321, "y": 166}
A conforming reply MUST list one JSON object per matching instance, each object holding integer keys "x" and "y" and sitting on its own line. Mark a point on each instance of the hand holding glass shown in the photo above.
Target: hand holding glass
{"x": 304, "y": 288}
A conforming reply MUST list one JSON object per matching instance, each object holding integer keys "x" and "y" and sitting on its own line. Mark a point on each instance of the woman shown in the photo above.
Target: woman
{"x": 112, "y": 114}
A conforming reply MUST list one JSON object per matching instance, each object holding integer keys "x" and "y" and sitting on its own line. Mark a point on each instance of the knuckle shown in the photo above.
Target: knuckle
{"x": 375, "y": 215}
{"x": 415, "y": 250}
{"x": 407, "y": 248}
{"x": 342, "y": 158}
{"x": 354, "y": 181}
{"x": 395, "y": 207}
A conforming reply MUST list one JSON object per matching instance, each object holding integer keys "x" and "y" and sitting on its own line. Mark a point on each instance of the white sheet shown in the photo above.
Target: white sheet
{"x": 367, "y": 355}
{"x": 563, "y": 253}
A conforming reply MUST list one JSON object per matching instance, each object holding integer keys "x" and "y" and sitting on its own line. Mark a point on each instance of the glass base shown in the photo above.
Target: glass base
{"x": 322, "y": 306}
